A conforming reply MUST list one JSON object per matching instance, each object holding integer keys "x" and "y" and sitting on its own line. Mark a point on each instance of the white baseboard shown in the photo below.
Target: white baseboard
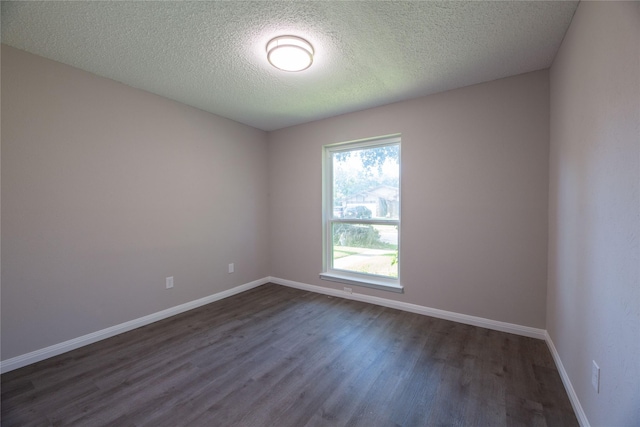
{"x": 573, "y": 397}
{"x": 419, "y": 309}
{"x": 63, "y": 347}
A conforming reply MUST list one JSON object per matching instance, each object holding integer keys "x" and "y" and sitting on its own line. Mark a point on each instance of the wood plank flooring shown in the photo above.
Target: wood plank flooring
{"x": 276, "y": 356}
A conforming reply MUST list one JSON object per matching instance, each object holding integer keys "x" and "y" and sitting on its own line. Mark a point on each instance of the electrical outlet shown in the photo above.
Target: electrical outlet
{"x": 348, "y": 290}
{"x": 169, "y": 282}
{"x": 231, "y": 268}
{"x": 595, "y": 376}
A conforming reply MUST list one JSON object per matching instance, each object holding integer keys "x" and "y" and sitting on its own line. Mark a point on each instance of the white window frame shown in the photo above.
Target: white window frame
{"x": 342, "y": 276}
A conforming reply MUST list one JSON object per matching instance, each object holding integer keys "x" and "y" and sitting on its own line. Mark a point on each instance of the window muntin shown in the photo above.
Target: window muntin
{"x": 362, "y": 212}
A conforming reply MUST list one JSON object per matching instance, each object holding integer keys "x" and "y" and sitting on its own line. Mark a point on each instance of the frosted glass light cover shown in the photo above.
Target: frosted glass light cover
{"x": 290, "y": 53}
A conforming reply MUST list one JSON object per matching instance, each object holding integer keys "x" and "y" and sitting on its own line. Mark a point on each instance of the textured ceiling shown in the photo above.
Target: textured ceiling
{"x": 211, "y": 54}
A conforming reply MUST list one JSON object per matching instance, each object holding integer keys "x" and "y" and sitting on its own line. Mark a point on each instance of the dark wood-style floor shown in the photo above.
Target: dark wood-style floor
{"x": 276, "y": 356}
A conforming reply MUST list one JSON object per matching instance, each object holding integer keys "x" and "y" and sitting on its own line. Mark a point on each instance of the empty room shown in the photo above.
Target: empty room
{"x": 320, "y": 213}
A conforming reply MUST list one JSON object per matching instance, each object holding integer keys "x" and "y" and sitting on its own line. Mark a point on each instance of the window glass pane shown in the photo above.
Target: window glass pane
{"x": 365, "y": 248}
{"x": 365, "y": 183}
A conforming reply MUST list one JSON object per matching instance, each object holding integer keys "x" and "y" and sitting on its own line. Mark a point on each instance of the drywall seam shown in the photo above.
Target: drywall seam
{"x": 419, "y": 309}
{"x": 63, "y": 347}
{"x": 573, "y": 397}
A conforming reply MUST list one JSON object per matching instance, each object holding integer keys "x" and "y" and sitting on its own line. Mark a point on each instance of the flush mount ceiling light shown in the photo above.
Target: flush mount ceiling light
{"x": 290, "y": 53}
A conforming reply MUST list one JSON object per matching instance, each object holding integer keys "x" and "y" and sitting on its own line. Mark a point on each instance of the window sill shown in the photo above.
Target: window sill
{"x": 367, "y": 283}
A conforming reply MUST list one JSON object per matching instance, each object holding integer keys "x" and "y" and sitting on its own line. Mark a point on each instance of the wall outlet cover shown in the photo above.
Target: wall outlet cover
{"x": 595, "y": 376}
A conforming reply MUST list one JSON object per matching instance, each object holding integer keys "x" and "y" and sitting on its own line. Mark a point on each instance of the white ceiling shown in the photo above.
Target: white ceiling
{"x": 211, "y": 54}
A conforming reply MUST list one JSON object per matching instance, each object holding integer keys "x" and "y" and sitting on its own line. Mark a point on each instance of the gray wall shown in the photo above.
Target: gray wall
{"x": 474, "y": 197}
{"x": 593, "y": 310}
{"x": 107, "y": 190}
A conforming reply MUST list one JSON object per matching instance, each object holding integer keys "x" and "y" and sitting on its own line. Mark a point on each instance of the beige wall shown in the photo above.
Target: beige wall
{"x": 107, "y": 190}
{"x": 593, "y": 308}
{"x": 474, "y": 197}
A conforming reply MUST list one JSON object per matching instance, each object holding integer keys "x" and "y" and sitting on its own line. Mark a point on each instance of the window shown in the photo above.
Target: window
{"x": 361, "y": 221}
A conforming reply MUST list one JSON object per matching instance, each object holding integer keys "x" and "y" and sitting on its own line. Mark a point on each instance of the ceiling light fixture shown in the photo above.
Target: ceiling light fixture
{"x": 290, "y": 53}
